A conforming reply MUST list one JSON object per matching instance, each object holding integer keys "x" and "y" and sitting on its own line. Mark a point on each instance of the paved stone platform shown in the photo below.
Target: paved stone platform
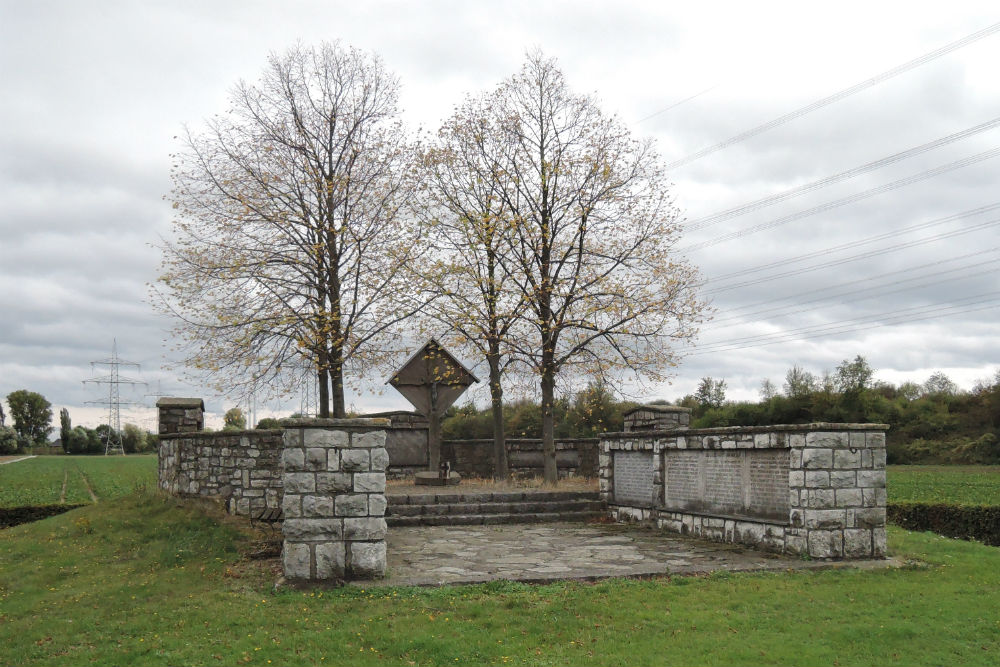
{"x": 538, "y": 553}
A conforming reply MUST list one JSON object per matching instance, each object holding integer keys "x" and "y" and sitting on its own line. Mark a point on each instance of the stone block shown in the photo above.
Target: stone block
{"x": 364, "y": 529}
{"x": 875, "y": 440}
{"x": 316, "y": 458}
{"x": 319, "y": 437}
{"x": 796, "y": 478}
{"x": 793, "y": 497}
{"x": 870, "y": 517}
{"x": 376, "y": 504}
{"x": 871, "y": 478}
{"x": 313, "y": 529}
{"x": 816, "y": 479}
{"x": 317, "y": 506}
{"x": 857, "y": 440}
{"x": 296, "y": 560}
{"x": 821, "y": 499}
{"x": 333, "y": 482}
{"x": 826, "y": 543}
{"x": 355, "y": 460}
{"x": 379, "y": 459}
{"x": 332, "y": 460}
{"x": 866, "y": 458}
{"x": 762, "y": 440}
{"x": 833, "y": 519}
{"x": 878, "y": 457}
{"x": 796, "y": 544}
{"x": 817, "y": 458}
{"x": 857, "y": 543}
{"x": 796, "y": 440}
{"x": 370, "y": 440}
{"x": 729, "y": 444}
{"x": 292, "y": 437}
{"x": 291, "y": 505}
{"x": 369, "y": 482}
{"x": 868, "y": 497}
{"x": 367, "y": 559}
{"x": 849, "y": 498}
{"x": 351, "y": 504}
{"x": 847, "y": 459}
{"x": 795, "y": 457}
{"x": 748, "y": 532}
{"x": 878, "y": 543}
{"x": 299, "y": 482}
{"x": 330, "y": 560}
{"x": 828, "y": 439}
{"x": 843, "y": 479}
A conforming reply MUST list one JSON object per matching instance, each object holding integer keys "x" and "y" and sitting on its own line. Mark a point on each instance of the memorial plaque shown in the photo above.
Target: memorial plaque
{"x": 633, "y": 478}
{"x": 742, "y": 483}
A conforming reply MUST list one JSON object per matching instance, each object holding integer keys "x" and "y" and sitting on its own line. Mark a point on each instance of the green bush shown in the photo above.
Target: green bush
{"x": 8, "y": 440}
{"x": 975, "y": 522}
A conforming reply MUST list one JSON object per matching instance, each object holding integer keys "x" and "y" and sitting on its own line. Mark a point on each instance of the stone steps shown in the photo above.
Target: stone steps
{"x": 491, "y": 508}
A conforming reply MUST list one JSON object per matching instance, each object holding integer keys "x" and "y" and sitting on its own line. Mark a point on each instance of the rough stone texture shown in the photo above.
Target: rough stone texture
{"x": 334, "y": 499}
{"x": 180, "y": 415}
{"x": 240, "y": 468}
{"x": 835, "y": 486}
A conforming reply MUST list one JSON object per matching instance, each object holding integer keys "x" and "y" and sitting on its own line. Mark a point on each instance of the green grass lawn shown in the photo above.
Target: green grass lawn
{"x": 148, "y": 580}
{"x": 47, "y": 480}
{"x": 964, "y": 485}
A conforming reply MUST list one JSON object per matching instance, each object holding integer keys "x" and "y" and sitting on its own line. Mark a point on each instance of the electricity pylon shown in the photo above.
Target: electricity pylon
{"x": 114, "y": 380}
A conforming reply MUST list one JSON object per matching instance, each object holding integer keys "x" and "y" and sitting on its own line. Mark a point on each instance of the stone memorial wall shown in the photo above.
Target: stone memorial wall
{"x": 807, "y": 489}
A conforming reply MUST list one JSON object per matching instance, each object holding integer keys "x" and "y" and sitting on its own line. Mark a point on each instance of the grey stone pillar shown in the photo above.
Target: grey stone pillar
{"x": 180, "y": 415}
{"x": 334, "y": 499}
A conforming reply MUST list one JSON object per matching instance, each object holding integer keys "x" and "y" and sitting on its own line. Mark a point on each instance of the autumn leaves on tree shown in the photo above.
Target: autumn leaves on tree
{"x": 533, "y": 231}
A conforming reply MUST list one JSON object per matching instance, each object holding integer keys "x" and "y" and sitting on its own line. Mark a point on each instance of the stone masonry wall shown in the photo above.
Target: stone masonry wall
{"x": 334, "y": 498}
{"x": 240, "y": 468}
{"x": 835, "y": 484}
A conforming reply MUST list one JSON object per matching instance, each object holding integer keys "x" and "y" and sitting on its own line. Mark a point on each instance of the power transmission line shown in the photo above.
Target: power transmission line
{"x": 728, "y": 214}
{"x": 675, "y": 104}
{"x": 830, "y": 205}
{"x": 836, "y": 97}
{"x": 114, "y": 380}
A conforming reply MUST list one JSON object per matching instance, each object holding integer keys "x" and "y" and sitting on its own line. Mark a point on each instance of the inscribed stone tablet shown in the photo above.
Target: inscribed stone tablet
{"x": 633, "y": 478}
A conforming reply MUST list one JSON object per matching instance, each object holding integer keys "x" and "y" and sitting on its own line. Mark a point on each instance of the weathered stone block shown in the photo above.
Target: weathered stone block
{"x": 817, "y": 479}
{"x": 821, "y": 499}
{"x": 332, "y": 460}
{"x": 749, "y": 533}
{"x": 875, "y": 439}
{"x": 367, "y": 559}
{"x": 318, "y": 437}
{"x": 312, "y": 529}
{"x": 364, "y": 528}
{"x": 842, "y": 479}
{"x": 291, "y": 505}
{"x": 878, "y": 457}
{"x": 871, "y": 478}
{"x": 793, "y": 497}
{"x": 817, "y": 458}
{"x": 826, "y": 543}
{"x": 316, "y": 458}
{"x": 857, "y": 543}
{"x": 762, "y": 440}
{"x": 369, "y": 482}
{"x": 351, "y": 504}
{"x": 333, "y": 482}
{"x": 330, "y": 560}
{"x": 796, "y": 544}
{"x": 796, "y": 518}
{"x": 878, "y": 543}
{"x": 833, "y": 519}
{"x": 379, "y": 459}
{"x": 796, "y": 478}
{"x": 299, "y": 482}
{"x": 827, "y": 439}
{"x": 296, "y": 560}
{"x": 355, "y": 460}
{"x": 849, "y": 498}
{"x": 369, "y": 440}
{"x": 868, "y": 497}
{"x": 292, "y": 437}
{"x": 847, "y": 459}
{"x": 317, "y": 506}
{"x": 870, "y": 517}
{"x": 376, "y": 504}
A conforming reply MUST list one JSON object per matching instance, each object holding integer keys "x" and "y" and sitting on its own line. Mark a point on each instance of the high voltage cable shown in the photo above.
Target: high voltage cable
{"x": 675, "y": 104}
{"x": 909, "y": 180}
{"x": 853, "y": 258}
{"x": 844, "y": 326}
{"x": 872, "y": 292}
{"x": 836, "y": 97}
{"x": 728, "y": 214}
{"x": 852, "y": 244}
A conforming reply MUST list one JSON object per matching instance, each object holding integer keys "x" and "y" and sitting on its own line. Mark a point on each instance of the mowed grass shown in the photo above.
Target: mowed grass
{"x": 150, "y": 580}
{"x": 41, "y": 480}
{"x": 960, "y": 485}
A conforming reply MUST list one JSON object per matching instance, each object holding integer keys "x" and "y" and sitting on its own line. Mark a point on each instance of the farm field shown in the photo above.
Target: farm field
{"x": 950, "y": 484}
{"x": 47, "y": 480}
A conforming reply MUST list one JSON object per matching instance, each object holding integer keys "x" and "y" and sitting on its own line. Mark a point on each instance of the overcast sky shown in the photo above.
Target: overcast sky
{"x": 94, "y": 92}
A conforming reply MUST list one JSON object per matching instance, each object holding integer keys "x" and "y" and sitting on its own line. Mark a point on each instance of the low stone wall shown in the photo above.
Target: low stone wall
{"x": 474, "y": 458}
{"x": 240, "y": 468}
{"x": 334, "y": 501}
{"x": 806, "y": 489}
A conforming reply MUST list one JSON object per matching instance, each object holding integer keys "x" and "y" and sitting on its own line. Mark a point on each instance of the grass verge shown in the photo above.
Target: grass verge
{"x": 149, "y": 580}
{"x": 46, "y": 480}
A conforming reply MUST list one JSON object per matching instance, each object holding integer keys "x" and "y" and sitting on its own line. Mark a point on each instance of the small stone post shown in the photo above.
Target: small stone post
{"x": 181, "y": 415}
{"x": 334, "y": 499}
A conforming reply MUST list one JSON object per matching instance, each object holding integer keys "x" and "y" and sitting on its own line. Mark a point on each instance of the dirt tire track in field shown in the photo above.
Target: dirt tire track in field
{"x": 62, "y": 494}
{"x": 86, "y": 483}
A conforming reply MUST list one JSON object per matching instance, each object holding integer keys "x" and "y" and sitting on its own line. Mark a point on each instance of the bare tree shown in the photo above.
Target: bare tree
{"x": 591, "y": 237}
{"x": 475, "y": 297}
{"x": 289, "y": 243}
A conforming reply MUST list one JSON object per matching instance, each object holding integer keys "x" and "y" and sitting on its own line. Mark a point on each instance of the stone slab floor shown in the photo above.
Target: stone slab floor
{"x": 430, "y": 556}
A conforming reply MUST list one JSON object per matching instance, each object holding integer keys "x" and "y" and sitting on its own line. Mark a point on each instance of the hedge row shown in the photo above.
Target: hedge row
{"x": 14, "y": 516}
{"x": 968, "y": 522}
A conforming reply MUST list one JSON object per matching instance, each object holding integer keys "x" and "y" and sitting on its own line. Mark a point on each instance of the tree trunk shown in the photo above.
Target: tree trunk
{"x": 323, "y": 375}
{"x": 548, "y": 425}
{"x": 501, "y": 470}
{"x": 337, "y": 381}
